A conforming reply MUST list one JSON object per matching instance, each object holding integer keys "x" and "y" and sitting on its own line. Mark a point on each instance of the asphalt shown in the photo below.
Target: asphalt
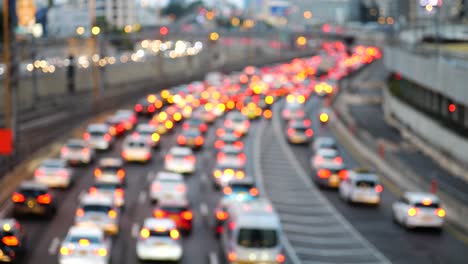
{"x": 43, "y": 235}
{"x": 375, "y": 223}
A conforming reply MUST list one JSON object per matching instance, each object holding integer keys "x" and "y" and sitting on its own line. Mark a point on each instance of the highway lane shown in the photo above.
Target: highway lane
{"x": 375, "y": 223}
{"x": 44, "y": 237}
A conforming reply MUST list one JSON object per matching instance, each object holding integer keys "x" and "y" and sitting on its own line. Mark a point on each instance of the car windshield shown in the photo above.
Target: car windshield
{"x": 257, "y": 238}
{"x": 110, "y": 169}
{"x": 91, "y": 239}
{"x": 75, "y": 145}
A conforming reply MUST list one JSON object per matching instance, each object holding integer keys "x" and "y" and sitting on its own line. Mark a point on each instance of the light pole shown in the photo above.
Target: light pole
{"x": 7, "y": 58}
{"x": 95, "y": 30}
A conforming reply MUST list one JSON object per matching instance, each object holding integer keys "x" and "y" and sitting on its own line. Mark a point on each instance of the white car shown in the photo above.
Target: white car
{"x": 54, "y": 173}
{"x": 361, "y": 187}
{"x": 238, "y": 122}
{"x": 110, "y": 170}
{"x": 418, "y": 209}
{"x": 99, "y": 137}
{"x": 98, "y": 211}
{"x": 113, "y": 190}
{"x": 168, "y": 186}
{"x": 85, "y": 245}
{"x": 77, "y": 151}
{"x": 136, "y": 148}
{"x": 159, "y": 240}
{"x": 148, "y": 132}
{"x": 324, "y": 143}
{"x": 326, "y": 158}
{"x": 180, "y": 160}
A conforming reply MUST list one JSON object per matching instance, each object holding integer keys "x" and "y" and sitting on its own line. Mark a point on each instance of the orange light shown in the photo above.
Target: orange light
{"x": 268, "y": 114}
{"x": 187, "y": 215}
{"x": 174, "y": 234}
{"x": 159, "y": 213}
{"x": 440, "y": 212}
{"x": 217, "y": 174}
{"x": 199, "y": 141}
{"x": 232, "y": 256}
{"x": 253, "y": 191}
{"x": 112, "y": 214}
{"x": 227, "y": 190}
{"x": 220, "y": 215}
{"x": 323, "y": 173}
{"x": 97, "y": 173}
{"x": 145, "y": 233}
{"x": 379, "y": 188}
{"x": 324, "y": 117}
{"x": 412, "y": 211}
{"x": 121, "y": 173}
{"x": 102, "y": 252}
{"x": 17, "y": 198}
{"x": 10, "y": 241}
{"x": 44, "y": 199}
{"x": 426, "y": 201}
{"x": 280, "y": 258}
{"x": 80, "y": 212}
{"x": 240, "y": 175}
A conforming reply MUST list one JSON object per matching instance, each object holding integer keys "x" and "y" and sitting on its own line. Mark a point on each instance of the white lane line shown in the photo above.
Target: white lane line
{"x": 142, "y": 197}
{"x": 135, "y": 229}
{"x": 204, "y": 209}
{"x": 213, "y": 258}
{"x": 150, "y": 177}
{"x": 54, "y": 246}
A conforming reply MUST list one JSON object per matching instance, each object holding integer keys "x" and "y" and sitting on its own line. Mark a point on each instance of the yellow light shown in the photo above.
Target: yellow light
{"x": 169, "y": 124}
{"x": 155, "y": 137}
{"x": 328, "y": 89}
{"x": 301, "y": 41}
{"x": 441, "y": 213}
{"x": 230, "y": 105}
{"x": 164, "y": 94}
{"x": 221, "y": 107}
{"x": 205, "y": 95}
{"x": 102, "y": 252}
{"x": 151, "y": 98}
{"x": 177, "y": 116}
{"x": 83, "y": 242}
{"x": 214, "y": 36}
{"x": 307, "y": 15}
{"x": 208, "y": 106}
{"x": 128, "y": 29}
{"x": 412, "y": 211}
{"x": 251, "y": 106}
{"x": 381, "y": 20}
{"x": 64, "y": 251}
{"x": 217, "y": 174}
{"x": 80, "y": 30}
{"x": 290, "y": 98}
{"x": 235, "y": 22}
{"x": 229, "y": 172}
{"x": 258, "y": 111}
{"x": 96, "y": 30}
{"x": 6, "y": 227}
{"x": 145, "y": 233}
{"x": 301, "y": 99}
{"x": 324, "y": 117}
{"x": 429, "y": 8}
{"x": 162, "y": 116}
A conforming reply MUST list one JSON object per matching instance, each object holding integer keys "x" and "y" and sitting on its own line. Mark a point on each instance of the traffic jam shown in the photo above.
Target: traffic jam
{"x": 243, "y": 222}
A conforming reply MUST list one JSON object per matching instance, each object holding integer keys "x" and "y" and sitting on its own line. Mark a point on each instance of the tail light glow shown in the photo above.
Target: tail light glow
{"x": 80, "y": 212}
{"x": 413, "y": 211}
{"x": 440, "y": 212}
{"x": 86, "y": 136}
{"x": 378, "y": 188}
{"x": 44, "y": 199}
{"x": 156, "y": 187}
{"x": 221, "y": 215}
{"x": 338, "y": 160}
{"x": 119, "y": 192}
{"x": 227, "y": 190}
{"x": 323, "y": 173}
{"x": 190, "y": 159}
{"x": 232, "y": 256}
{"x": 180, "y": 188}
{"x": 11, "y": 241}
{"x": 187, "y": 215}
{"x": 112, "y": 214}
{"x": 159, "y": 213}
{"x": 138, "y": 108}
{"x": 145, "y": 233}
{"x": 174, "y": 234}
{"x": 97, "y": 173}
{"x": 253, "y": 191}
{"x": 64, "y": 151}
{"x": 280, "y": 258}
{"x": 121, "y": 173}
{"x": 181, "y": 140}
{"x": 17, "y": 198}
{"x": 309, "y": 132}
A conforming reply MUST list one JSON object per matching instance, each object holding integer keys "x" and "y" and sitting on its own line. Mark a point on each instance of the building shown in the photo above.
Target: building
{"x": 63, "y": 21}
{"x": 117, "y": 13}
{"x": 325, "y": 11}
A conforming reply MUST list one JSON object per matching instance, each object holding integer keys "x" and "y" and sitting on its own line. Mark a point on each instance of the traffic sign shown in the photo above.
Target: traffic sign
{"x": 6, "y": 141}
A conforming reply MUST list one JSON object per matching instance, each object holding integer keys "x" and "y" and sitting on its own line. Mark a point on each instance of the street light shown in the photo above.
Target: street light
{"x": 307, "y": 15}
{"x": 96, "y": 30}
{"x": 80, "y": 30}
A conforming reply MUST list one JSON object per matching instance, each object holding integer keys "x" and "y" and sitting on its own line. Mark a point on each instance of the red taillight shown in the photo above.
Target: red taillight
{"x": 107, "y": 137}
{"x": 221, "y": 215}
{"x": 220, "y": 132}
{"x": 307, "y": 122}
{"x": 62, "y": 174}
{"x": 291, "y": 131}
{"x": 309, "y": 132}
{"x": 379, "y": 188}
{"x": 97, "y": 173}
{"x": 343, "y": 174}
{"x": 318, "y": 160}
{"x": 85, "y": 151}
{"x": 338, "y": 160}
{"x": 86, "y": 136}
{"x": 39, "y": 173}
{"x": 119, "y": 192}
{"x": 190, "y": 159}
{"x": 227, "y": 190}
{"x": 232, "y": 256}
{"x": 180, "y": 188}
{"x": 156, "y": 187}
{"x": 253, "y": 191}
{"x": 187, "y": 215}
{"x": 123, "y": 153}
{"x": 159, "y": 213}
{"x": 323, "y": 173}
{"x": 221, "y": 156}
{"x": 151, "y": 108}
{"x": 241, "y": 156}
{"x": 138, "y": 108}
{"x": 92, "y": 190}
{"x": 121, "y": 173}
{"x": 203, "y": 128}
{"x": 280, "y": 258}
{"x": 17, "y": 198}
{"x": 181, "y": 140}
{"x": 10, "y": 241}
{"x": 246, "y": 123}
{"x": 239, "y": 144}
{"x": 44, "y": 199}
{"x": 64, "y": 151}
{"x": 169, "y": 158}
{"x": 219, "y": 144}
{"x": 199, "y": 141}
{"x": 80, "y": 212}
{"x": 228, "y": 123}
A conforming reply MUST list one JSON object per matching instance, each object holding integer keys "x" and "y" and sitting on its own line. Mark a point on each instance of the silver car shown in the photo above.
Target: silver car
{"x": 77, "y": 151}
{"x": 99, "y": 137}
{"x": 54, "y": 173}
{"x": 85, "y": 245}
{"x": 98, "y": 211}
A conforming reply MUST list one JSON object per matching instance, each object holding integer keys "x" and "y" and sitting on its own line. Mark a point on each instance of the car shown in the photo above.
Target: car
{"x": 54, "y": 173}
{"x": 110, "y": 170}
{"x": 116, "y": 126}
{"x": 114, "y": 190}
{"x": 324, "y": 143}
{"x": 178, "y": 210}
{"x": 205, "y": 115}
{"x": 136, "y": 149}
{"x": 180, "y": 160}
{"x": 167, "y": 186}
{"x": 149, "y": 133}
{"x": 159, "y": 240}
{"x": 419, "y": 209}
{"x": 238, "y": 122}
{"x": 299, "y": 131}
{"x": 197, "y": 123}
{"x": 12, "y": 241}
{"x": 128, "y": 117}
{"x": 252, "y": 229}
{"x": 99, "y": 137}
{"x": 293, "y": 110}
{"x": 241, "y": 190}
{"x": 323, "y": 89}
{"x": 144, "y": 108}
{"x": 77, "y": 151}
{"x": 98, "y": 211}
{"x": 361, "y": 186}
{"x": 329, "y": 168}
{"x": 87, "y": 245}
{"x": 221, "y": 131}
{"x": 231, "y": 155}
{"x": 224, "y": 172}
{"x": 228, "y": 139}
{"x": 33, "y": 198}
{"x": 192, "y": 138}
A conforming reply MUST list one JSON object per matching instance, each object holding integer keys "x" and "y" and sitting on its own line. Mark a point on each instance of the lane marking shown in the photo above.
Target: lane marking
{"x": 135, "y": 229}
{"x": 54, "y": 246}
{"x": 142, "y": 197}
{"x": 149, "y": 176}
{"x": 204, "y": 178}
{"x": 204, "y": 209}
{"x": 213, "y": 258}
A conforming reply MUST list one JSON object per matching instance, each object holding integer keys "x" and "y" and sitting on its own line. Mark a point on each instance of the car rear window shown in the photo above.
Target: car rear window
{"x": 106, "y": 186}
{"x": 159, "y": 234}
{"x": 365, "y": 184}
{"x": 91, "y": 239}
{"x": 174, "y": 209}
{"x": 96, "y": 208}
{"x": 110, "y": 169}
{"x": 97, "y": 133}
{"x": 75, "y": 145}
{"x": 53, "y": 164}
{"x": 136, "y": 144}
{"x": 32, "y": 193}
{"x": 432, "y": 205}
{"x": 257, "y": 238}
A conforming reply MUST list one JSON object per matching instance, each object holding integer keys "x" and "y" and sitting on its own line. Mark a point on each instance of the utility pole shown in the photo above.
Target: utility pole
{"x": 94, "y": 66}
{"x": 7, "y": 58}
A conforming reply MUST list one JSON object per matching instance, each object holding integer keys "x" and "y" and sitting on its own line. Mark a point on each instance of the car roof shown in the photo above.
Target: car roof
{"x": 110, "y": 162}
{"x": 327, "y": 152}
{"x": 365, "y": 176}
{"x": 54, "y": 162}
{"x": 230, "y": 149}
{"x": 325, "y": 140}
{"x": 173, "y": 202}
{"x": 145, "y": 127}
{"x": 99, "y": 127}
{"x": 32, "y": 185}
{"x": 159, "y": 222}
{"x": 105, "y": 200}
{"x": 255, "y": 214}
{"x": 76, "y": 141}
{"x": 85, "y": 231}
{"x": 417, "y": 197}
{"x": 164, "y": 175}
{"x": 135, "y": 138}
{"x": 181, "y": 151}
